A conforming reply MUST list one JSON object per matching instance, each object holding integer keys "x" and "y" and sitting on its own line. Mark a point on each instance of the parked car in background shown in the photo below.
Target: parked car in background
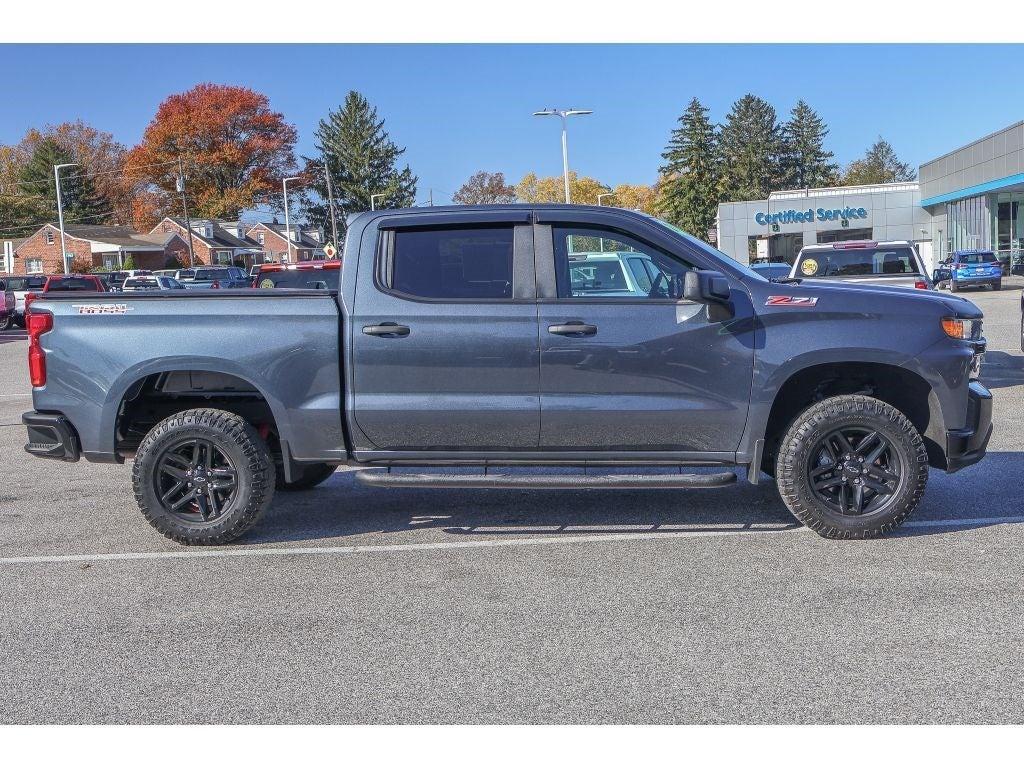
{"x": 771, "y": 270}
{"x": 64, "y": 284}
{"x": 895, "y": 263}
{"x": 7, "y": 305}
{"x": 304, "y": 274}
{"x": 151, "y": 283}
{"x": 213, "y": 277}
{"x": 254, "y": 270}
{"x": 21, "y": 286}
{"x": 970, "y": 269}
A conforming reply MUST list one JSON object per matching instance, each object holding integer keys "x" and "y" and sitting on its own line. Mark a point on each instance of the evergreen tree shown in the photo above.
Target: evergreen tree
{"x": 879, "y": 166}
{"x": 689, "y": 193}
{"x": 363, "y": 161}
{"x": 805, "y": 161}
{"x": 751, "y": 144}
{"x": 81, "y": 202}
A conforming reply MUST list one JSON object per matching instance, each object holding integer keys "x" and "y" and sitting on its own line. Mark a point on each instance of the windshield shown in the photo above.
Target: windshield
{"x": 25, "y": 283}
{"x": 854, "y": 262}
{"x": 141, "y": 283}
{"x": 212, "y": 274}
{"x": 738, "y": 266}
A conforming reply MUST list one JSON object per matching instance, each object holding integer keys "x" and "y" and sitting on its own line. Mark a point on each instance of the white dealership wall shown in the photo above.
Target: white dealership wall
{"x": 893, "y": 212}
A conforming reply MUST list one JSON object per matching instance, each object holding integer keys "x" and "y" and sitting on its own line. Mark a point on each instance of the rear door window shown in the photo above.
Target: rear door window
{"x": 452, "y": 263}
{"x": 855, "y": 262}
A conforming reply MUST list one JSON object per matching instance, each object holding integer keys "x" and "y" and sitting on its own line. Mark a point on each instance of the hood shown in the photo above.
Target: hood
{"x": 955, "y": 305}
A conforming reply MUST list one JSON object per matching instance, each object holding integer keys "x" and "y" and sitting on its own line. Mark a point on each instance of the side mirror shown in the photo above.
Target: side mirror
{"x": 706, "y": 287}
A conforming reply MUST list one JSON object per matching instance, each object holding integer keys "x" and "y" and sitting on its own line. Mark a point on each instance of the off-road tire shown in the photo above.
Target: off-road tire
{"x": 310, "y": 475}
{"x": 233, "y": 436}
{"x": 806, "y": 432}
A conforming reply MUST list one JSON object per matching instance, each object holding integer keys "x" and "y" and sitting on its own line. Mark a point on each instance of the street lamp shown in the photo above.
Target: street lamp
{"x": 287, "y": 219}
{"x": 563, "y": 114}
{"x": 60, "y": 214}
{"x": 373, "y": 198}
{"x": 604, "y": 194}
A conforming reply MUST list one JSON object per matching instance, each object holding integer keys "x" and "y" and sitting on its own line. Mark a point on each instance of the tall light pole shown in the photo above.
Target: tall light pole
{"x": 60, "y": 214}
{"x": 287, "y": 219}
{"x": 563, "y": 114}
{"x": 604, "y": 194}
{"x": 373, "y": 201}
{"x": 180, "y": 185}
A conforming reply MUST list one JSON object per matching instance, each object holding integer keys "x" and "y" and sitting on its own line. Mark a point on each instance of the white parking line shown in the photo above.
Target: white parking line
{"x": 357, "y": 549}
{"x": 962, "y": 522}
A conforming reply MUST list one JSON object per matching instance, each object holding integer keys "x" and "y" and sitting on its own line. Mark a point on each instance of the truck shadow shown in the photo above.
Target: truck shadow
{"x": 1001, "y": 369}
{"x": 978, "y": 496}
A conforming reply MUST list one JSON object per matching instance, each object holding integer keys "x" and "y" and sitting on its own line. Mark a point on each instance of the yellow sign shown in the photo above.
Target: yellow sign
{"x": 809, "y": 267}
{"x": 266, "y": 283}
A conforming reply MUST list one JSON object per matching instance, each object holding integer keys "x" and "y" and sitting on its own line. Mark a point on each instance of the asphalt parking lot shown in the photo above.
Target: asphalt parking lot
{"x": 350, "y": 604}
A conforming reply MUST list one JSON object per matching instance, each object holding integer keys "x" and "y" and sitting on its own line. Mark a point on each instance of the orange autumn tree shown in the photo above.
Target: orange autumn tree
{"x": 234, "y": 149}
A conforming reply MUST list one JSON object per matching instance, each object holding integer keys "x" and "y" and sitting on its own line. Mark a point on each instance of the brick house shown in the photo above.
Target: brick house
{"x": 95, "y": 245}
{"x": 213, "y": 242}
{"x": 272, "y": 238}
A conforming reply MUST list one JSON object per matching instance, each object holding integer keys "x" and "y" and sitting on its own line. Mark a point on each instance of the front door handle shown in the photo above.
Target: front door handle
{"x": 574, "y": 328}
{"x": 386, "y": 330}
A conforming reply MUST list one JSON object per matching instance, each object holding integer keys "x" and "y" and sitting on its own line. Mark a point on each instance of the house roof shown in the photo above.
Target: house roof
{"x": 221, "y": 237}
{"x": 124, "y": 237}
{"x": 305, "y": 241}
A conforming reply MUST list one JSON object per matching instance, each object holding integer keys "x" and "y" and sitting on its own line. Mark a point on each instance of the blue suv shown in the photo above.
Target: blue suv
{"x": 966, "y": 269}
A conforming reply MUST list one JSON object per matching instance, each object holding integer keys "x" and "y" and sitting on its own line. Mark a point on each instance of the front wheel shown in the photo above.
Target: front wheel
{"x": 852, "y": 467}
{"x": 203, "y": 476}
{"x": 953, "y": 287}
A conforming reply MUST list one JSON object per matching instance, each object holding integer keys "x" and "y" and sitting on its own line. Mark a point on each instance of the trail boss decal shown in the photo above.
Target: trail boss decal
{"x": 102, "y": 309}
{"x": 791, "y": 301}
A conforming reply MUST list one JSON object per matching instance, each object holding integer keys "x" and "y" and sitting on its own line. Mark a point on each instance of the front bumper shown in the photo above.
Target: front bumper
{"x": 967, "y": 446}
{"x": 51, "y": 436}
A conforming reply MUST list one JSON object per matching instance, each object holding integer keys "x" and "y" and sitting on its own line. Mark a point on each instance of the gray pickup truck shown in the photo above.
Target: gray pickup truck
{"x": 485, "y": 338}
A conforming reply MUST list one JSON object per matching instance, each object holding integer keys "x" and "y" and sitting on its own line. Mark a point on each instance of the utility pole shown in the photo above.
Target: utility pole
{"x": 287, "y": 219}
{"x": 188, "y": 222}
{"x": 431, "y": 198}
{"x": 60, "y": 215}
{"x": 330, "y": 202}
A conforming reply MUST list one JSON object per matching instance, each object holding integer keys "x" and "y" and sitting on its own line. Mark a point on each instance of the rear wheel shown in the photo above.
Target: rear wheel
{"x": 953, "y": 287}
{"x": 309, "y": 476}
{"x": 852, "y": 467}
{"x": 203, "y": 476}
{"x": 997, "y": 285}
{"x": 6, "y": 322}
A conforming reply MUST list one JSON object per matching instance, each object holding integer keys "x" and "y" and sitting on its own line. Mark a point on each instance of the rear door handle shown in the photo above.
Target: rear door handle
{"x": 386, "y": 330}
{"x": 576, "y": 329}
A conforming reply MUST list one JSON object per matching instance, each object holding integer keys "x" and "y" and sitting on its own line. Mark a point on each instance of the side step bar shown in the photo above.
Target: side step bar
{"x": 384, "y": 479}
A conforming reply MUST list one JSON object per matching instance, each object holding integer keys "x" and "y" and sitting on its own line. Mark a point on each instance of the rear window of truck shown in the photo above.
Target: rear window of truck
{"x": 852, "y": 262}
{"x": 300, "y": 278}
{"x": 25, "y": 283}
{"x": 73, "y": 284}
{"x": 453, "y": 263}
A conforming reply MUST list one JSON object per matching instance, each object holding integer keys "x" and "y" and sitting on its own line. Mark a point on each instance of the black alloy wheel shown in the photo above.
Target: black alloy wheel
{"x": 854, "y": 471}
{"x": 195, "y": 481}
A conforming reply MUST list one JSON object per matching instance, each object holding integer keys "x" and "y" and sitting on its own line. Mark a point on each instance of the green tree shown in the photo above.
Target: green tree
{"x": 81, "y": 202}
{"x": 689, "y": 193}
{"x": 751, "y": 143}
{"x": 805, "y": 161}
{"x": 128, "y": 262}
{"x": 362, "y": 160}
{"x": 879, "y": 166}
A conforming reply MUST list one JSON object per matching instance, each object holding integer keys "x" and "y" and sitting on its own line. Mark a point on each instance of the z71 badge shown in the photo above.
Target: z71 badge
{"x": 102, "y": 309}
{"x": 791, "y": 301}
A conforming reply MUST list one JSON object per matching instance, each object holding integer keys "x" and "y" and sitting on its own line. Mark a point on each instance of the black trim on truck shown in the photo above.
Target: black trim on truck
{"x": 967, "y": 446}
{"x": 51, "y": 436}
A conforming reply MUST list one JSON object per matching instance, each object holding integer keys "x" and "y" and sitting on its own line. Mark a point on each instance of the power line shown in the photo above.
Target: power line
{"x": 33, "y": 227}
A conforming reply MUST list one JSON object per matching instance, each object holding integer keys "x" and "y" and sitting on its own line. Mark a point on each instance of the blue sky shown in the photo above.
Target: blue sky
{"x": 461, "y": 108}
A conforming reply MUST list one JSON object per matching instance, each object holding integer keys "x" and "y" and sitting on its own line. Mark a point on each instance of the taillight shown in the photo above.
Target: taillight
{"x": 37, "y": 324}
{"x": 215, "y": 284}
{"x": 921, "y": 284}
{"x": 29, "y": 298}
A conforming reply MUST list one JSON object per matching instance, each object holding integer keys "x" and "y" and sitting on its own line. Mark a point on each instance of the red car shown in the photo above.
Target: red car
{"x": 304, "y": 274}
{"x": 90, "y": 283}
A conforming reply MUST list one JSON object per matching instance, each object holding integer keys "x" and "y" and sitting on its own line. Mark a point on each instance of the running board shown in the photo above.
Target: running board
{"x": 384, "y": 479}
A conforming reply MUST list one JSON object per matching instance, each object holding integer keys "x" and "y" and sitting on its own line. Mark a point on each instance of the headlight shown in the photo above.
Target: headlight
{"x": 957, "y": 328}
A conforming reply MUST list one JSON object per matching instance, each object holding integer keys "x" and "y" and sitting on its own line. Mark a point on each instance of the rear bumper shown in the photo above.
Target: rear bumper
{"x": 51, "y": 436}
{"x": 977, "y": 279}
{"x": 967, "y": 446}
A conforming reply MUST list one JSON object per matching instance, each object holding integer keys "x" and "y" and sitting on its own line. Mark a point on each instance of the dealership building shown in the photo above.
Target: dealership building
{"x": 968, "y": 198}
